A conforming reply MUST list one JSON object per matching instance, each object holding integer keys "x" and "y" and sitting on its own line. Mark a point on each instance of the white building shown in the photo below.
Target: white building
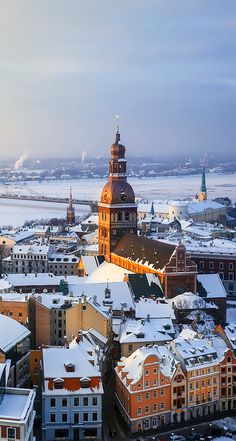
{"x": 72, "y": 394}
{"x": 27, "y": 259}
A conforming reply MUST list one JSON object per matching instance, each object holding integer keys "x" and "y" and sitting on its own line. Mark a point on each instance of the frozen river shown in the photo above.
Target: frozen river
{"x": 14, "y": 212}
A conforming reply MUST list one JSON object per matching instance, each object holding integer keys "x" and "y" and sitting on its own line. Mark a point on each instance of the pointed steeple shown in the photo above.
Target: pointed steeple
{"x": 152, "y": 211}
{"x": 203, "y": 193}
{"x": 70, "y": 199}
{"x": 203, "y": 186}
{"x": 70, "y": 215}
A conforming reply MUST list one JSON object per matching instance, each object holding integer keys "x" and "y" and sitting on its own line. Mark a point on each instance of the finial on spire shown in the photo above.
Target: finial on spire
{"x": 117, "y": 128}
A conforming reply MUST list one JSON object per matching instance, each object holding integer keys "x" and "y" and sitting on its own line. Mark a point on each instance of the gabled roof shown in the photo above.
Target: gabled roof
{"x": 143, "y": 250}
{"x": 11, "y": 333}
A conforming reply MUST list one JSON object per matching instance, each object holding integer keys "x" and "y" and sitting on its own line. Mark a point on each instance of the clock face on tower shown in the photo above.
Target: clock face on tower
{"x": 122, "y": 195}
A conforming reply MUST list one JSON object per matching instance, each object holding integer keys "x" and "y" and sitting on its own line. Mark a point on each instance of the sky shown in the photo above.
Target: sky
{"x": 167, "y": 67}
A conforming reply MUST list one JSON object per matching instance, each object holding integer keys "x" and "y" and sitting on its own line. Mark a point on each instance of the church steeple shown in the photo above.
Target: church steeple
{"x": 117, "y": 209}
{"x": 70, "y": 214}
{"x": 203, "y": 193}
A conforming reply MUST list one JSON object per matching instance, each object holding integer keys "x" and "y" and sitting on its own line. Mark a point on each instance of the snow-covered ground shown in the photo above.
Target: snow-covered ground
{"x": 16, "y": 212}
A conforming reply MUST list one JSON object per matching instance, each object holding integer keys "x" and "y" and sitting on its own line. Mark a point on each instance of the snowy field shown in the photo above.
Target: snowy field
{"x": 16, "y": 212}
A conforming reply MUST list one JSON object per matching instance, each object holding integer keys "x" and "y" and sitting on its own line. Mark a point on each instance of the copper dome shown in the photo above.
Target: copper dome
{"x": 117, "y": 192}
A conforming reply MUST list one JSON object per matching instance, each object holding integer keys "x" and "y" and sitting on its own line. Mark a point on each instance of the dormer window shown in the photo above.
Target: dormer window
{"x": 85, "y": 382}
{"x": 70, "y": 367}
{"x": 58, "y": 383}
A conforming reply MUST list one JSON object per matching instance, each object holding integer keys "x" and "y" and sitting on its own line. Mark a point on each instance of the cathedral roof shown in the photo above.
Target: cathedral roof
{"x": 143, "y": 250}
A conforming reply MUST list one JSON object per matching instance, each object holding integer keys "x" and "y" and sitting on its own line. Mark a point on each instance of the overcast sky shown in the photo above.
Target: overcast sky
{"x": 168, "y": 67}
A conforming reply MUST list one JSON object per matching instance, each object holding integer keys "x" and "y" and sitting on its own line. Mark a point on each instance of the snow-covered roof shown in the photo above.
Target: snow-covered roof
{"x": 91, "y": 263}
{"x": 188, "y": 300}
{"x": 107, "y": 272}
{"x": 64, "y": 258}
{"x": 152, "y": 331}
{"x": 196, "y": 206}
{"x": 91, "y": 220}
{"x": 32, "y": 249}
{"x": 213, "y": 285}
{"x": 38, "y": 279}
{"x": 134, "y": 364}
{"x": 11, "y": 333}
{"x": 15, "y": 403}
{"x": 55, "y": 359}
{"x": 196, "y": 352}
{"x": 230, "y": 332}
{"x": 121, "y": 296}
{"x": 153, "y": 308}
{"x": 5, "y": 285}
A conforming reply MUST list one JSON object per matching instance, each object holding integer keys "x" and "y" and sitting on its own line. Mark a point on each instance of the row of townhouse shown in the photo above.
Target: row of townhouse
{"x": 188, "y": 378}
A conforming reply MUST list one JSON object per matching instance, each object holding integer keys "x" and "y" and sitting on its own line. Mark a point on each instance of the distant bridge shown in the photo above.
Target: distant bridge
{"x": 38, "y": 198}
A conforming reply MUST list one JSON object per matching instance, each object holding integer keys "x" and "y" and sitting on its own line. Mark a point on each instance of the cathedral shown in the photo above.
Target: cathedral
{"x": 119, "y": 242}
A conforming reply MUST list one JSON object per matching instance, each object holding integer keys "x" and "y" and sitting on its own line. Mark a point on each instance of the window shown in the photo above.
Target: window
{"x": 162, "y": 406}
{"x": 146, "y": 383}
{"x": 211, "y": 265}
{"x": 130, "y": 348}
{"x": 64, "y": 417}
{"x": 139, "y": 398}
{"x": 94, "y": 401}
{"x": 139, "y": 411}
{"x": 155, "y": 394}
{"x": 52, "y": 402}
{"x": 85, "y": 401}
{"x": 95, "y": 416}
{"x": 147, "y": 409}
{"x": 155, "y": 370}
{"x": 11, "y": 433}
{"x": 76, "y": 418}
{"x": 147, "y": 396}
{"x": 231, "y": 266}
{"x": 201, "y": 264}
{"x": 52, "y": 417}
{"x": 154, "y": 381}
{"x": 64, "y": 402}
{"x": 85, "y": 416}
{"x": 154, "y": 407}
{"x": 221, "y": 265}
{"x": 162, "y": 392}
{"x": 147, "y": 372}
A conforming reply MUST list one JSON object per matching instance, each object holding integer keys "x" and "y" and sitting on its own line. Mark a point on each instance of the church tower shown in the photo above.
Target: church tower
{"x": 117, "y": 209}
{"x": 70, "y": 213}
{"x": 203, "y": 193}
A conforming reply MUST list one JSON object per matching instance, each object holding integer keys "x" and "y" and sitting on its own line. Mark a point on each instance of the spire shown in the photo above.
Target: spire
{"x": 203, "y": 193}
{"x": 117, "y": 129}
{"x": 203, "y": 185}
{"x": 152, "y": 212}
{"x": 70, "y": 198}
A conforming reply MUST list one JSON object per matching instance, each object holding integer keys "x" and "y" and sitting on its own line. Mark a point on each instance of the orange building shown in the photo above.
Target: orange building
{"x": 143, "y": 387}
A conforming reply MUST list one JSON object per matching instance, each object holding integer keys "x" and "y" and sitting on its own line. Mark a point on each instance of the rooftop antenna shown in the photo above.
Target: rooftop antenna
{"x": 117, "y": 128}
